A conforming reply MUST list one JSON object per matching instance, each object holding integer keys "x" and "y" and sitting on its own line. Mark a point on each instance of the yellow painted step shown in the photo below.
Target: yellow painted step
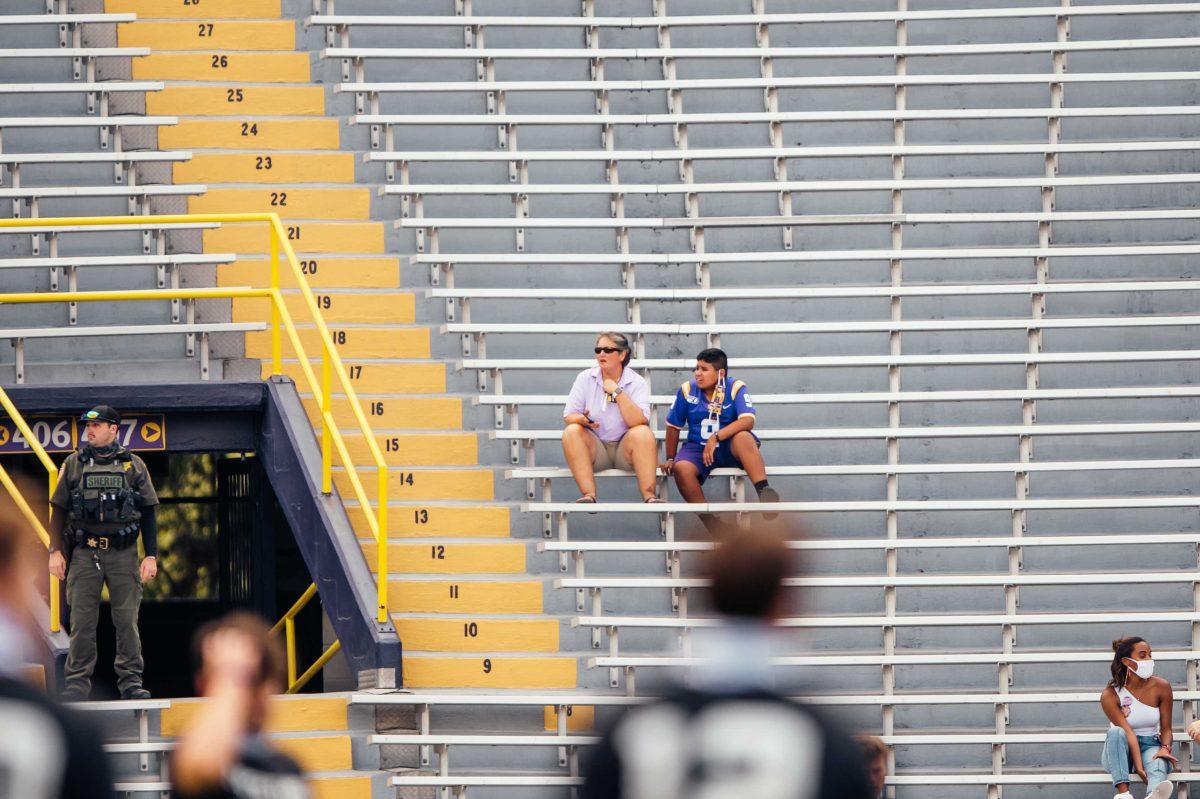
{"x": 579, "y": 718}
{"x": 320, "y": 272}
{"x": 477, "y": 635}
{"x": 411, "y": 413}
{"x": 237, "y": 101}
{"x": 223, "y": 66}
{"x": 209, "y": 34}
{"x": 340, "y": 787}
{"x": 251, "y": 133}
{"x": 464, "y": 596}
{"x": 320, "y": 753}
{"x": 422, "y": 485}
{"x": 208, "y": 9}
{"x": 287, "y": 714}
{"x": 420, "y": 521}
{"x": 35, "y": 675}
{"x": 451, "y": 558}
{"x": 269, "y": 167}
{"x": 353, "y": 342}
{"x": 418, "y": 449}
{"x": 482, "y": 671}
{"x": 305, "y": 238}
{"x": 381, "y": 378}
{"x": 290, "y": 202}
{"x": 336, "y": 308}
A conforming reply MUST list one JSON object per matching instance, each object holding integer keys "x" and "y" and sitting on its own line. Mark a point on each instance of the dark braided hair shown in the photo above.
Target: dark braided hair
{"x": 1123, "y": 648}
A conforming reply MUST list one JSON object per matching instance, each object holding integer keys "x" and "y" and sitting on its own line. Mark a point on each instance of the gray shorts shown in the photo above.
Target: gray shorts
{"x": 610, "y": 456}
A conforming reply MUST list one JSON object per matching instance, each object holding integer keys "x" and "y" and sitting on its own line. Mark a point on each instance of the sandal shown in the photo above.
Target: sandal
{"x": 654, "y": 501}
{"x": 587, "y": 499}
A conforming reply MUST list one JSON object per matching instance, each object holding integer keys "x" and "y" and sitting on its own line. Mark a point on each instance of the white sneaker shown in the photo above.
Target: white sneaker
{"x": 1161, "y": 791}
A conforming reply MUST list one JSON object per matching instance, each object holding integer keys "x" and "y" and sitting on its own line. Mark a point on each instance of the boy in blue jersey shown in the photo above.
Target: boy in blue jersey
{"x": 719, "y": 416}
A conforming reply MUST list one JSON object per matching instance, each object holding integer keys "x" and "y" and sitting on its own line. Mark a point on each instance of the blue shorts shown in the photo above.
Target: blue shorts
{"x": 723, "y": 458}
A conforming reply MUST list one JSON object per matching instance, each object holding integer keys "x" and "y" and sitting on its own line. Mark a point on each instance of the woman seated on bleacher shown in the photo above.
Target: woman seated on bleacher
{"x": 608, "y": 421}
{"x": 1139, "y": 706}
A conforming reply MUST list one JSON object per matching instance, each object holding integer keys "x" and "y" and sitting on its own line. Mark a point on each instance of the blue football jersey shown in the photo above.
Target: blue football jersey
{"x": 691, "y": 409}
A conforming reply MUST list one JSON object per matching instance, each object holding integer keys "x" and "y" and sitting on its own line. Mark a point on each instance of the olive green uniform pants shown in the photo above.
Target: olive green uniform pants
{"x": 87, "y": 573}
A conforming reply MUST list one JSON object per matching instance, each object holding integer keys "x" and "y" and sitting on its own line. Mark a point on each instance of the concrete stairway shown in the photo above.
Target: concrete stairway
{"x": 265, "y": 138}
{"x": 323, "y": 733}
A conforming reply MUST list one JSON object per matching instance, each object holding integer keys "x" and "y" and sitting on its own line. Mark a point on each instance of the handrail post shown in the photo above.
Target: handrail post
{"x": 326, "y": 421}
{"x": 289, "y": 637}
{"x": 55, "y": 593}
{"x": 381, "y": 546}
{"x": 276, "y": 343}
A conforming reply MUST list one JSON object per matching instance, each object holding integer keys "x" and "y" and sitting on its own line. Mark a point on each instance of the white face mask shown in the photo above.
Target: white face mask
{"x": 1144, "y": 668}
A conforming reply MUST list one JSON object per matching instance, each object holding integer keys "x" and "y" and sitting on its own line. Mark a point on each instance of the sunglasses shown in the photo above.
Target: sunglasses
{"x": 608, "y": 350}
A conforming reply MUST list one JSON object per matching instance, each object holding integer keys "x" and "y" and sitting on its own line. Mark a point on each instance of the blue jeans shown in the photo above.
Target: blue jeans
{"x": 1117, "y": 761}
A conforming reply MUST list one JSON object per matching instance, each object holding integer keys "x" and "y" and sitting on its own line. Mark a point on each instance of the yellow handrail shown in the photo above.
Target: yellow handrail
{"x": 288, "y": 623}
{"x": 52, "y": 473}
{"x": 281, "y": 322}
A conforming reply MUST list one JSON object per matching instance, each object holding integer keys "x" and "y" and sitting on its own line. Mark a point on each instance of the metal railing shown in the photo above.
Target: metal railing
{"x": 281, "y": 323}
{"x": 288, "y": 623}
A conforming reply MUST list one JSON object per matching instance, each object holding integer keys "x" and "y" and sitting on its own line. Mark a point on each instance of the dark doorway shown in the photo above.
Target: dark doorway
{"x": 219, "y": 550}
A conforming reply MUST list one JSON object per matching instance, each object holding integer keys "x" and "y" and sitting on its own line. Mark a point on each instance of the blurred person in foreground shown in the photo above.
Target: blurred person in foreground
{"x": 730, "y": 734}
{"x": 46, "y": 751}
{"x": 223, "y": 754}
{"x": 875, "y": 761}
{"x": 1193, "y": 731}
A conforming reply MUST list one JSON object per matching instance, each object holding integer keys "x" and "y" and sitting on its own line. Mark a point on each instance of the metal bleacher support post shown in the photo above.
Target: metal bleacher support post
{"x": 1189, "y": 705}
{"x": 896, "y": 273}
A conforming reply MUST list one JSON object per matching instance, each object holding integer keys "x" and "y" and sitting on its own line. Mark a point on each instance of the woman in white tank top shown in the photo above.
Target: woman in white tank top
{"x": 1138, "y": 705}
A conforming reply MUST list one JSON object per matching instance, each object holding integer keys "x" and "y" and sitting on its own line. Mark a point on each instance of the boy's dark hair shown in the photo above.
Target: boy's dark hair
{"x": 716, "y": 357}
{"x": 273, "y": 667}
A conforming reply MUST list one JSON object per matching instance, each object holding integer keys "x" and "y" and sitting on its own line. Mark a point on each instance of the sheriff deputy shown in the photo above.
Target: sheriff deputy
{"x": 103, "y": 498}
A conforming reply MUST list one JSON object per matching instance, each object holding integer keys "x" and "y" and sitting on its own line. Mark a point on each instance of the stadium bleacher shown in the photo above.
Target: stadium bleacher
{"x": 951, "y": 251}
{"x": 948, "y": 212}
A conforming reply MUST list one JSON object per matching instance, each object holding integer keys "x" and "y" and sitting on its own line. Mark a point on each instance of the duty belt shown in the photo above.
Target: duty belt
{"x": 117, "y": 540}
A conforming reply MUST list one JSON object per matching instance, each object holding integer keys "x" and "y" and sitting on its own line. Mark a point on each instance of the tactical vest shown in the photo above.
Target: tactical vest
{"x": 103, "y": 501}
